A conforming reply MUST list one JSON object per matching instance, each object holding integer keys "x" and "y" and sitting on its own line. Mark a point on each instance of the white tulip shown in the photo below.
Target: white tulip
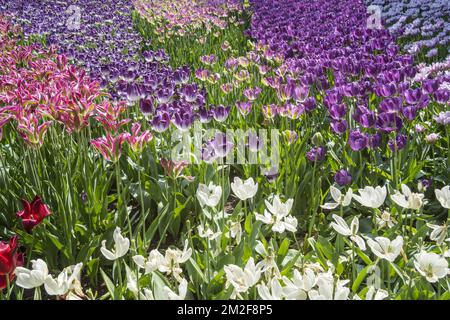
{"x": 373, "y": 294}
{"x": 34, "y": 278}
{"x": 268, "y": 265}
{"x": 328, "y": 289}
{"x": 297, "y": 287}
{"x": 407, "y": 199}
{"x": 169, "y": 264}
{"x": 208, "y": 233}
{"x": 278, "y": 216}
{"x": 443, "y": 196}
{"x": 386, "y": 249}
{"x": 431, "y": 265}
{"x": 150, "y": 264}
{"x": 376, "y": 294}
{"x": 68, "y": 279}
{"x": 244, "y": 189}
{"x": 132, "y": 281}
{"x": 242, "y": 279}
{"x": 234, "y": 231}
{"x": 182, "y": 291}
{"x": 121, "y": 246}
{"x": 146, "y": 294}
{"x": 439, "y": 233}
{"x": 339, "y": 198}
{"x": 209, "y": 195}
{"x": 386, "y": 220}
{"x": 371, "y": 197}
{"x": 273, "y": 291}
{"x": 341, "y": 227}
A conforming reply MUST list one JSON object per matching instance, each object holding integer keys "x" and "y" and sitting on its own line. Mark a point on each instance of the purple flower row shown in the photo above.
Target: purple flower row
{"x": 360, "y": 73}
{"x": 99, "y": 35}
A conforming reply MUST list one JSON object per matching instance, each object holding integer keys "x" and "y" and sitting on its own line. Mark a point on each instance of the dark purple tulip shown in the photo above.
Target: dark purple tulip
{"x": 399, "y": 142}
{"x": 331, "y": 98}
{"x": 310, "y": 104}
{"x": 388, "y": 122}
{"x": 387, "y": 90}
{"x": 220, "y": 112}
{"x": 133, "y": 92}
{"x": 205, "y": 115}
{"x": 342, "y": 178}
{"x": 409, "y": 112}
{"x": 426, "y": 183}
{"x": 181, "y": 75}
{"x": 160, "y": 122}
{"x": 183, "y": 120}
{"x": 412, "y": 96}
{"x": 364, "y": 116}
{"x": 163, "y": 95}
{"x": 146, "y": 106}
{"x": 148, "y": 55}
{"x": 430, "y": 86}
{"x": 189, "y": 92}
{"x": 338, "y": 111}
{"x": 129, "y": 75}
{"x": 423, "y": 101}
{"x": 442, "y": 96}
{"x": 339, "y": 126}
{"x": 357, "y": 140}
{"x": 316, "y": 154}
{"x": 375, "y": 140}
{"x": 391, "y": 105}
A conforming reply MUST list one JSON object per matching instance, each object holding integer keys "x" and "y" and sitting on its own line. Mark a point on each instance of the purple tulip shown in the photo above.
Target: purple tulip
{"x": 442, "y": 96}
{"x": 189, "y": 92}
{"x": 220, "y": 112}
{"x": 160, "y": 122}
{"x": 391, "y": 105}
{"x": 342, "y": 178}
{"x": 430, "y": 86}
{"x": 412, "y": 96}
{"x": 357, "y": 140}
{"x": 146, "y": 106}
{"x": 339, "y": 126}
{"x": 398, "y": 143}
{"x": 338, "y": 111}
{"x": 375, "y": 140}
{"x": 388, "y": 122}
{"x": 316, "y": 154}
{"x": 183, "y": 120}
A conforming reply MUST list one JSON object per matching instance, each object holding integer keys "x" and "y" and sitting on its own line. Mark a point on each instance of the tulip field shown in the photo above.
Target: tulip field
{"x": 224, "y": 149}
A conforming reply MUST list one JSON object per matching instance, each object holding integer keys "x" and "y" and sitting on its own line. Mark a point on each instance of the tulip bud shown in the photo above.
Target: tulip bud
{"x": 317, "y": 139}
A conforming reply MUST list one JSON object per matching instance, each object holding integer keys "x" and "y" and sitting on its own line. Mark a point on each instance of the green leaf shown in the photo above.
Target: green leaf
{"x": 361, "y": 276}
{"x": 109, "y": 284}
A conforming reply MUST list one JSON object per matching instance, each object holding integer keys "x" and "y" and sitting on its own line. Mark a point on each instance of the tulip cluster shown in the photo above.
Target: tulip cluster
{"x": 423, "y": 19}
{"x": 100, "y": 37}
{"x": 171, "y": 18}
{"x": 365, "y": 87}
{"x": 317, "y": 170}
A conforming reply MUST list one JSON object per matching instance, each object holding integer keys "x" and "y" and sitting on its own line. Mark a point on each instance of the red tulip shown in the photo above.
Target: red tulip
{"x": 33, "y": 213}
{"x": 10, "y": 258}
